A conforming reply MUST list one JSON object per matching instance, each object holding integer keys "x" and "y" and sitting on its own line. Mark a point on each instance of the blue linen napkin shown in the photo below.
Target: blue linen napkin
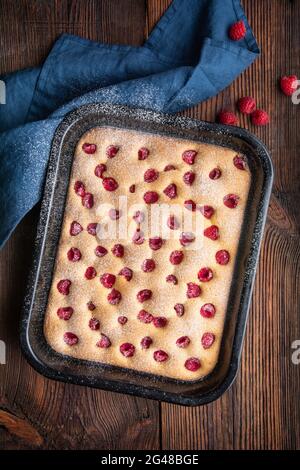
{"x": 187, "y": 58}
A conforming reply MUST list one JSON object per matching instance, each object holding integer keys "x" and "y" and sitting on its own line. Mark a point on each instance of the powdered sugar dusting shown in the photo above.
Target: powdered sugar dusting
{"x": 127, "y": 170}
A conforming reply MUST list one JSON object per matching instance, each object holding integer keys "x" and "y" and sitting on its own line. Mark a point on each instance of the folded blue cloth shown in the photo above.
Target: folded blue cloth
{"x": 187, "y": 58}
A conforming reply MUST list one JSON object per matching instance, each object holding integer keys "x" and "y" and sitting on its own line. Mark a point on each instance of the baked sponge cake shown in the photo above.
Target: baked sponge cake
{"x": 146, "y": 255}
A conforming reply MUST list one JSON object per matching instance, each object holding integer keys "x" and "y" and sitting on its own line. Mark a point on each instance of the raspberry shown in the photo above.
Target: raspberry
{"x": 231, "y": 200}
{"x": 190, "y": 205}
{"x": 172, "y": 279}
{"x": 100, "y": 251}
{"x": 75, "y": 228}
{"x": 127, "y": 349}
{"x": 183, "y": 341}
{"x": 88, "y": 200}
{"x": 169, "y": 167}
{"x": 148, "y": 265}
{"x": 65, "y": 313}
{"x": 74, "y": 254}
{"x": 109, "y": 184}
{"x": 104, "y": 342}
{"x": 176, "y": 257}
{"x": 143, "y": 153}
{"x": 91, "y": 306}
{"x": 192, "y": 364}
{"x": 212, "y": 232}
{"x": 143, "y": 295}
{"x": 179, "y": 309}
{"x": 171, "y": 191}
{"x": 70, "y": 338}
{"x": 99, "y": 170}
{"x": 114, "y": 214}
{"x": 92, "y": 228}
{"x": 228, "y": 118}
{"x": 107, "y": 280}
{"x": 127, "y": 273}
{"x": 260, "y": 117}
{"x": 112, "y": 151}
{"x": 122, "y": 320}
{"x": 207, "y": 211}
{"x": 90, "y": 273}
{"x": 63, "y": 286}
{"x": 189, "y": 156}
{"x": 189, "y": 178}
{"x": 193, "y": 290}
{"x": 118, "y": 250}
{"x": 145, "y": 317}
{"x": 247, "y": 105}
{"x": 205, "y": 274}
{"x": 89, "y": 148}
{"x": 151, "y": 175}
{"x": 160, "y": 356}
{"x": 160, "y": 322}
{"x": 94, "y": 324}
{"x": 237, "y": 31}
{"x": 172, "y": 222}
{"x": 114, "y": 297}
{"x": 186, "y": 238}
{"x": 150, "y": 197}
{"x": 207, "y": 340}
{"x": 132, "y": 188}
{"x": 222, "y": 257}
{"x": 215, "y": 174}
{"x": 139, "y": 217}
{"x": 288, "y": 84}
{"x": 155, "y": 243}
{"x": 240, "y": 162}
{"x": 146, "y": 342}
{"x": 79, "y": 188}
{"x": 208, "y": 310}
{"x": 138, "y": 237}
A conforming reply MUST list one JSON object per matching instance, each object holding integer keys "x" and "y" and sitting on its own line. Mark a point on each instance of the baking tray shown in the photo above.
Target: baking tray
{"x": 60, "y": 367}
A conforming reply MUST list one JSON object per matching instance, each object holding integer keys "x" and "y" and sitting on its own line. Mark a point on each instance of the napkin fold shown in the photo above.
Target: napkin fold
{"x": 187, "y": 58}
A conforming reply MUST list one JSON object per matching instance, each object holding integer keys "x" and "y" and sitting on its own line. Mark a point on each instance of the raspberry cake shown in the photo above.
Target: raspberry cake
{"x": 147, "y": 302}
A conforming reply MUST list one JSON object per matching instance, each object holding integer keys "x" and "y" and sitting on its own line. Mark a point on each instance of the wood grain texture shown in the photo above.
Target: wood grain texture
{"x": 261, "y": 411}
{"x": 64, "y": 416}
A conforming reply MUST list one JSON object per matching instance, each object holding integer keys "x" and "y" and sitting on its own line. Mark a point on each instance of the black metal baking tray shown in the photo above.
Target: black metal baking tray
{"x": 60, "y": 367}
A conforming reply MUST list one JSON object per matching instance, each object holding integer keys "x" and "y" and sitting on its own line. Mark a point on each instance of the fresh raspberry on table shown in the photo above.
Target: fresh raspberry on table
{"x": 260, "y": 117}
{"x": 237, "y": 31}
{"x": 289, "y": 84}
{"x": 227, "y": 117}
{"x": 247, "y": 105}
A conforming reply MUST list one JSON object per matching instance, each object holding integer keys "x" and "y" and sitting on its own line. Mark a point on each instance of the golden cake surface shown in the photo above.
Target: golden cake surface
{"x": 95, "y": 309}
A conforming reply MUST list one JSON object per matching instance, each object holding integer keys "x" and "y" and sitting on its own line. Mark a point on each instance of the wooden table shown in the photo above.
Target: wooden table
{"x": 262, "y": 409}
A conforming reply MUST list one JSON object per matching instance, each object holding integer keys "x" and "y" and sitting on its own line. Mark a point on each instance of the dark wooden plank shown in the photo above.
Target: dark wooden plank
{"x": 261, "y": 411}
{"x": 29, "y": 28}
{"x": 36, "y": 412}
